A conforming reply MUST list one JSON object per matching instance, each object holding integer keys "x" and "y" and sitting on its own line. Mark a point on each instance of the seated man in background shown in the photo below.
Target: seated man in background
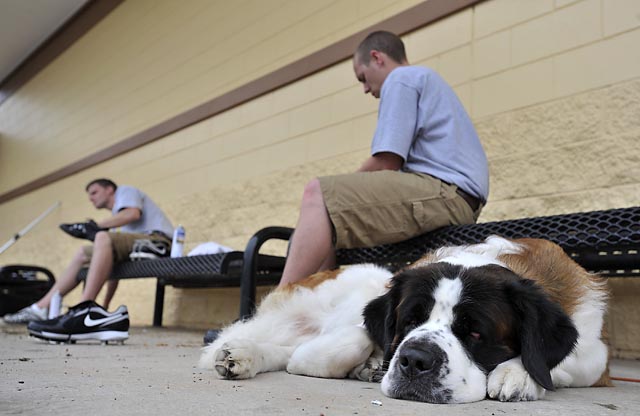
{"x": 427, "y": 167}
{"x": 136, "y": 220}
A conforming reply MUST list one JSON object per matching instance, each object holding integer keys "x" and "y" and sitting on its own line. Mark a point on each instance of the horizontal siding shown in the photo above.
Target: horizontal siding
{"x": 558, "y": 118}
{"x": 150, "y": 60}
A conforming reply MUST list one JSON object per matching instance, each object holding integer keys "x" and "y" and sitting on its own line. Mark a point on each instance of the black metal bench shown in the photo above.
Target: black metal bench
{"x": 204, "y": 271}
{"x": 606, "y": 242}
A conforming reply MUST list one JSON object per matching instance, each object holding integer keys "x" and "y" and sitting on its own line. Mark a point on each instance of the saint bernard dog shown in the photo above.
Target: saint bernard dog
{"x": 504, "y": 319}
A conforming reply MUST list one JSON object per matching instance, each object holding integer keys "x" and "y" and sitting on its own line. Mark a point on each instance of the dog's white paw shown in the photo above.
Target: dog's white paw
{"x": 371, "y": 370}
{"x": 561, "y": 378}
{"x": 237, "y": 359}
{"x": 510, "y": 382}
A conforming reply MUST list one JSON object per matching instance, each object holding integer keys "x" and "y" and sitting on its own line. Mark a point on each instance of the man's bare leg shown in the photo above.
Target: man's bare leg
{"x": 112, "y": 285}
{"x": 311, "y": 247}
{"x": 100, "y": 266}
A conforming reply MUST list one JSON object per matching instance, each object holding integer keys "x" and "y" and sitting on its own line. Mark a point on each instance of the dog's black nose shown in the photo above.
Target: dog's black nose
{"x": 416, "y": 360}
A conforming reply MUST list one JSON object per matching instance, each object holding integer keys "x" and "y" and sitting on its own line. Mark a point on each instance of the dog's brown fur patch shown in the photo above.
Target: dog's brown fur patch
{"x": 313, "y": 280}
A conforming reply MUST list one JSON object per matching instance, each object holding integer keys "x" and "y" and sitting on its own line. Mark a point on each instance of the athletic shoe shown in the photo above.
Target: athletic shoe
{"x": 86, "y": 320}
{"x": 25, "y": 315}
{"x": 85, "y": 230}
{"x": 149, "y": 249}
{"x": 211, "y": 335}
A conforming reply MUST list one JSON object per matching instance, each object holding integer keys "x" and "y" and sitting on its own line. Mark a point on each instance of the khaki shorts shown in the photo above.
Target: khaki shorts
{"x": 122, "y": 243}
{"x": 382, "y": 207}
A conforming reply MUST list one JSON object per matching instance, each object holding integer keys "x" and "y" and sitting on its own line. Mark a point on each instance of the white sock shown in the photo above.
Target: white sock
{"x": 37, "y": 308}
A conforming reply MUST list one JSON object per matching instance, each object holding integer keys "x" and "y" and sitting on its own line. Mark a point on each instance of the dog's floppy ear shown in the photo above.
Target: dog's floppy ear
{"x": 547, "y": 335}
{"x": 380, "y": 321}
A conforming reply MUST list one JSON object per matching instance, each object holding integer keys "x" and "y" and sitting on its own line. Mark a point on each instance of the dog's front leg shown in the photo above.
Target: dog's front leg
{"x": 333, "y": 354}
{"x": 372, "y": 369}
{"x": 242, "y": 358}
{"x": 585, "y": 366}
{"x": 510, "y": 382}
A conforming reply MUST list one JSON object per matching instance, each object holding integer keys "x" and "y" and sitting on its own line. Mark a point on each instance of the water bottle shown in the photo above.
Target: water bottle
{"x": 178, "y": 242}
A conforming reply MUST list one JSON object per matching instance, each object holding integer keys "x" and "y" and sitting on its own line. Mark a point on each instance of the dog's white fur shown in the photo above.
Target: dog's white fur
{"x": 509, "y": 381}
{"x": 437, "y": 330}
{"x": 309, "y": 331}
{"x": 317, "y": 331}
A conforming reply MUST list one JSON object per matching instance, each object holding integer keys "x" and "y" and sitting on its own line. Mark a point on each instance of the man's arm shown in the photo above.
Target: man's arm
{"x": 123, "y": 217}
{"x": 382, "y": 161}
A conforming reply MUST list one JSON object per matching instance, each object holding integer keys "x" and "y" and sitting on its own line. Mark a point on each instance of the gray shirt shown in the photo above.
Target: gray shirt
{"x": 152, "y": 218}
{"x": 421, "y": 119}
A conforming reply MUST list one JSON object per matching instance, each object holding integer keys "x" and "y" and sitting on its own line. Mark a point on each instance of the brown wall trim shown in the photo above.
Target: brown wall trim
{"x": 414, "y": 18}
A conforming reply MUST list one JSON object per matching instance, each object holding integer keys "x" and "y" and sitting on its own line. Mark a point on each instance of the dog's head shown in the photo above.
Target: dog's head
{"x": 444, "y": 327}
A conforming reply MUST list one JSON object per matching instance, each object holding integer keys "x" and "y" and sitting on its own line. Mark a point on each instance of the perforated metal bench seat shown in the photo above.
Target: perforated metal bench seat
{"x": 607, "y": 242}
{"x": 204, "y": 271}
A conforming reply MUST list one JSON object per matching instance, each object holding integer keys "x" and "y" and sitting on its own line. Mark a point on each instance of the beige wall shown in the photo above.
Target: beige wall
{"x": 152, "y": 59}
{"x": 553, "y": 88}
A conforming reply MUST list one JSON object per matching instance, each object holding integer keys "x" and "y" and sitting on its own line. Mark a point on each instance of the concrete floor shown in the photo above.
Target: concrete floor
{"x": 155, "y": 373}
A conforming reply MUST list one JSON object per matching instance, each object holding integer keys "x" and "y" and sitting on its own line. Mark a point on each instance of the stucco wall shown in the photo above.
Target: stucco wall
{"x": 553, "y": 88}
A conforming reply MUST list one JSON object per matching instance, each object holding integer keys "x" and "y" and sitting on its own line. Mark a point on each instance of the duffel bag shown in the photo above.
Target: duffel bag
{"x": 22, "y": 285}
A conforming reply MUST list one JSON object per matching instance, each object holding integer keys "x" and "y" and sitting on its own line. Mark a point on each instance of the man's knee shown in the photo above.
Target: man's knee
{"x": 312, "y": 191}
{"x": 81, "y": 255}
{"x": 102, "y": 240}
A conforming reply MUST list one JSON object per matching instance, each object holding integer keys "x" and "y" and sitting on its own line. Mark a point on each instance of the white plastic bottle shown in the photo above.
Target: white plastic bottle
{"x": 178, "y": 241}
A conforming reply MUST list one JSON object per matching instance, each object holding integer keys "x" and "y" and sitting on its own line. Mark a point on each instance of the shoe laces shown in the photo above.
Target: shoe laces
{"x": 79, "y": 226}
{"x": 138, "y": 245}
{"x": 87, "y": 304}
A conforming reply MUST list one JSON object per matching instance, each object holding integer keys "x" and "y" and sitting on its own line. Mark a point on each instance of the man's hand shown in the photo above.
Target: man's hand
{"x": 85, "y": 230}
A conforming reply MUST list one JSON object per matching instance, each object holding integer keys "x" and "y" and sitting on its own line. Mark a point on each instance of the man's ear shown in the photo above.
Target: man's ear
{"x": 547, "y": 334}
{"x": 377, "y": 57}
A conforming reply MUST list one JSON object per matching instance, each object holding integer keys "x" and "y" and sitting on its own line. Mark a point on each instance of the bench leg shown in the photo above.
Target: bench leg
{"x": 159, "y": 305}
{"x": 250, "y": 266}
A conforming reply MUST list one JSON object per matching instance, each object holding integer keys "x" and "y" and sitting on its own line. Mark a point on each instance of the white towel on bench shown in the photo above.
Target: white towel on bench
{"x": 209, "y": 247}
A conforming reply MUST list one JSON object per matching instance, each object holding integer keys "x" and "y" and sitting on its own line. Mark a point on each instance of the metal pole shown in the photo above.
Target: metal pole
{"x": 28, "y": 227}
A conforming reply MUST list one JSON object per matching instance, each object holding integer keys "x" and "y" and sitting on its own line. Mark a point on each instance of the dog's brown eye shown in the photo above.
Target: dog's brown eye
{"x": 475, "y": 335}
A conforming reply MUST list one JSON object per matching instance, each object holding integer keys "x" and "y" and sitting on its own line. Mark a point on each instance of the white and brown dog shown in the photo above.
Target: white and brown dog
{"x": 507, "y": 319}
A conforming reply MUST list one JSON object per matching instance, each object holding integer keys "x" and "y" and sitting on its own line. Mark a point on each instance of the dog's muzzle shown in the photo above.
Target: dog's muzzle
{"x": 417, "y": 362}
{"x": 417, "y": 372}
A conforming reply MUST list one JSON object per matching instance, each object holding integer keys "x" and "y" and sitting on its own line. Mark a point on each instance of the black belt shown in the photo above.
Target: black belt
{"x": 473, "y": 202}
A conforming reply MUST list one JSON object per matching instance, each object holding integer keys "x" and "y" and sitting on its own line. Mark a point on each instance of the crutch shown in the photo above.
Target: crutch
{"x": 28, "y": 227}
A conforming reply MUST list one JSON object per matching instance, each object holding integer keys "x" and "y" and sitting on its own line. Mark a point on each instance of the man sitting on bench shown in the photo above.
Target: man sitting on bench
{"x": 427, "y": 168}
{"x": 137, "y": 224}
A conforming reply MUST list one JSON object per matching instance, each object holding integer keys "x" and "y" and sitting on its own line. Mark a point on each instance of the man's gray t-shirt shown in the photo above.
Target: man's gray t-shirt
{"x": 421, "y": 119}
{"x": 152, "y": 218}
